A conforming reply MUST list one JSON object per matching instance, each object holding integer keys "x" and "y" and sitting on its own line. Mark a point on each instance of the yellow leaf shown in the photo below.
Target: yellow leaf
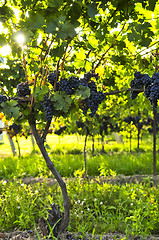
{"x": 100, "y": 70}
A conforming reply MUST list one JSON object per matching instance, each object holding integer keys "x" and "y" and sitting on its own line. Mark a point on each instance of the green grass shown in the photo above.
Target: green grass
{"x": 130, "y": 209}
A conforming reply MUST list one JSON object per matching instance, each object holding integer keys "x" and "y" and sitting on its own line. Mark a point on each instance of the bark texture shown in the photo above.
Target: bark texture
{"x": 63, "y": 223}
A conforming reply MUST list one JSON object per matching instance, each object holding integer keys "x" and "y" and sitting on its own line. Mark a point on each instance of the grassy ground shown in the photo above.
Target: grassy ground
{"x": 131, "y": 209}
{"x": 69, "y": 142}
{"x": 67, "y": 154}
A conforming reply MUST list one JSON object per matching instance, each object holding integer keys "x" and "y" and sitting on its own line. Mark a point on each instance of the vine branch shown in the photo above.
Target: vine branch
{"x": 112, "y": 45}
{"x": 46, "y": 130}
{"x": 5, "y": 92}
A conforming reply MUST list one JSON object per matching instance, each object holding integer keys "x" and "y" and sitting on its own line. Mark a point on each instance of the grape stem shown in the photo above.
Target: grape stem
{"x": 24, "y": 65}
{"x": 5, "y": 92}
{"x": 57, "y": 72}
{"x": 64, "y": 57}
{"x": 124, "y": 90}
{"x": 47, "y": 51}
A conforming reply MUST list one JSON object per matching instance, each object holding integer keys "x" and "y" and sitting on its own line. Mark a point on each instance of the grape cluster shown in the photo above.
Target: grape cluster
{"x": 135, "y": 121}
{"x": 52, "y": 78}
{"x": 91, "y": 74}
{"x": 95, "y": 98}
{"x": 3, "y": 98}
{"x": 23, "y": 89}
{"x": 154, "y": 94}
{"x": 92, "y": 102}
{"x": 80, "y": 124}
{"x": 128, "y": 119}
{"x": 92, "y": 86}
{"x": 69, "y": 86}
{"x": 16, "y": 128}
{"x": 138, "y": 83}
{"x": 48, "y": 107}
{"x": 151, "y": 87}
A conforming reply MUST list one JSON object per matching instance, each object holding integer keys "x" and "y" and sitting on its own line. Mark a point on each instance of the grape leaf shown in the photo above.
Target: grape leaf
{"x": 61, "y": 101}
{"x": 11, "y": 109}
{"x": 40, "y": 92}
{"x": 83, "y": 92}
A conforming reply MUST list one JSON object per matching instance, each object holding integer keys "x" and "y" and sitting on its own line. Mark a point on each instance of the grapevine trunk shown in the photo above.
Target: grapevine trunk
{"x": 62, "y": 225}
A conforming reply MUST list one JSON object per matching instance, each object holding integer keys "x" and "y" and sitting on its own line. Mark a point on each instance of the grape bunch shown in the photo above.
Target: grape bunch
{"x": 135, "y": 121}
{"x": 95, "y": 98}
{"x": 92, "y": 86}
{"x": 80, "y": 124}
{"x": 92, "y": 102}
{"x": 3, "y": 98}
{"x": 91, "y": 74}
{"x": 23, "y": 89}
{"x": 138, "y": 83}
{"x": 69, "y": 86}
{"x": 154, "y": 94}
{"x": 151, "y": 87}
{"x": 52, "y": 78}
{"x": 48, "y": 107}
{"x": 14, "y": 127}
{"x": 128, "y": 119}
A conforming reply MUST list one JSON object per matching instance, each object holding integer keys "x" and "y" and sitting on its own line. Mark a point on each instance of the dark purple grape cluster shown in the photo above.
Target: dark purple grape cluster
{"x": 91, "y": 74}
{"x": 69, "y": 86}
{"x": 23, "y": 89}
{"x": 16, "y": 128}
{"x": 128, "y": 119}
{"x": 48, "y": 107}
{"x": 135, "y": 121}
{"x": 80, "y": 124}
{"x": 140, "y": 80}
{"x": 154, "y": 94}
{"x": 151, "y": 87}
{"x": 83, "y": 82}
{"x": 3, "y": 98}
{"x": 92, "y": 86}
{"x": 52, "y": 78}
{"x": 92, "y": 102}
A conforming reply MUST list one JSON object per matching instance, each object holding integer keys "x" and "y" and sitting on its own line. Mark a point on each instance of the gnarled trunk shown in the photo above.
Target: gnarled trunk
{"x": 63, "y": 223}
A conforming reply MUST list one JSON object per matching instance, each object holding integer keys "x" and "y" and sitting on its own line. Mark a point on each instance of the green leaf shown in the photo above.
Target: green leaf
{"x": 152, "y": 4}
{"x": 51, "y": 28}
{"x": 35, "y": 21}
{"x": 2, "y": 40}
{"x": 66, "y": 30}
{"x": 83, "y": 92}
{"x": 145, "y": 42}
{"x": 61, "y": 101}
{"x": 10, "y": 109}
{"x": 40, "y": 92}
{"x": 92, "y": 10}
{"x": 133, "y": 36}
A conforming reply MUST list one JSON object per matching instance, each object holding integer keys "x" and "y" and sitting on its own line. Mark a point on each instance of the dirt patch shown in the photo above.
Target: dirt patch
{"x": 120, "y": 179}
{"x": 36, "y": 235}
